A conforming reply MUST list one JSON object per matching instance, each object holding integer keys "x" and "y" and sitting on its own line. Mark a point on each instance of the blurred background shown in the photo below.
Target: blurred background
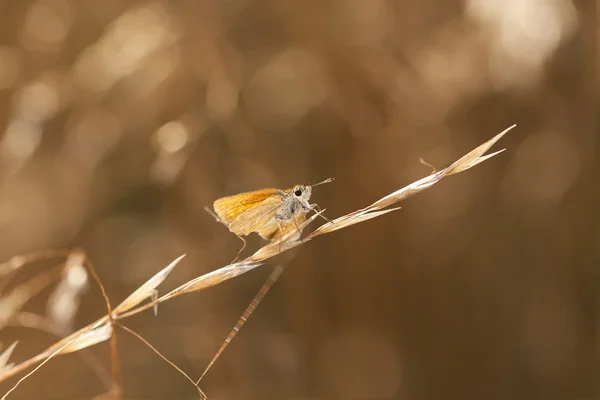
{"x": 121, "y": 120}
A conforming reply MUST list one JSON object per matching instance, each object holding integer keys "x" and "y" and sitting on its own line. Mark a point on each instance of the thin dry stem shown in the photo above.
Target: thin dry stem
{"x": 46, "y": 359}
{"x": 17, "y": 262}
{"x": 114, "y": 350}
{"x": 275, "y": 274}
{"x": 171, "y": 363}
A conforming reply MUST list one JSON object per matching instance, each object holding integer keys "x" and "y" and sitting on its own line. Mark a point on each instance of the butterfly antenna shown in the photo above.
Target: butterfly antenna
{"x": 212, "y": 214}
{"x": 328, "y": 180}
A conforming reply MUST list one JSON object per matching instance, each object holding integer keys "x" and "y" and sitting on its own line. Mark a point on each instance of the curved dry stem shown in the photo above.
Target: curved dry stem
{"x": 100, "y": 329}
{"x": 155, "y": 350}
{"x": 43, "y": 324}
{"x": 16, "y": 262}
{"x": 114, "y": 350}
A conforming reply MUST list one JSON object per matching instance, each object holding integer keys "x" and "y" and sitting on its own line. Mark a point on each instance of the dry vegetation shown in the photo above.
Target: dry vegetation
{"x": 104, "y": 328}
{"x": 121, "y": 121}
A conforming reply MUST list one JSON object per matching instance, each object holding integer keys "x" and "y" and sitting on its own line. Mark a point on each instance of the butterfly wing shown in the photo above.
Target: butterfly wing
{"x": 256, "y": 217}
{"x": 271, "y": 231}
{"x": 231, "y": 207}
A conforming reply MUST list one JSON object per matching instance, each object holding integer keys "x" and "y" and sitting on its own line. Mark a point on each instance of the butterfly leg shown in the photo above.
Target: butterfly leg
{"x": 280, "y": 234}
{"x": 216, "y": 217}
{"x": 237, "y": 257}
{"x": 299, "y": 231}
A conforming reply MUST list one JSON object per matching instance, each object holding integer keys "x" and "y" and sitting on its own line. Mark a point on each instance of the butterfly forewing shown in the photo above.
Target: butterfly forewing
{"x": 231, "y": 207}
{"x": 256, "y": 217}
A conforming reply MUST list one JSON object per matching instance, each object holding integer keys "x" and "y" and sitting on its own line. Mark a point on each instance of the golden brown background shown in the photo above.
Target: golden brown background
{"x": 121, "y": 120}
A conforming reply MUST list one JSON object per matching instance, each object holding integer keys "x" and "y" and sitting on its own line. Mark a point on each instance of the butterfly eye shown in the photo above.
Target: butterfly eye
{"x": 298, "y": 192}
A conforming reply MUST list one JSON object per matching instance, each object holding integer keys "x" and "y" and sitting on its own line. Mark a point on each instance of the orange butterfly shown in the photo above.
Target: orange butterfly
{"x": 269, "y": 212}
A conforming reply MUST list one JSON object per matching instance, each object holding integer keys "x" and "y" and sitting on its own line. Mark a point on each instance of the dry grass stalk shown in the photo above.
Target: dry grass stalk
{"x": 102, "y": 329}
{"x": 366, "y": 213}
